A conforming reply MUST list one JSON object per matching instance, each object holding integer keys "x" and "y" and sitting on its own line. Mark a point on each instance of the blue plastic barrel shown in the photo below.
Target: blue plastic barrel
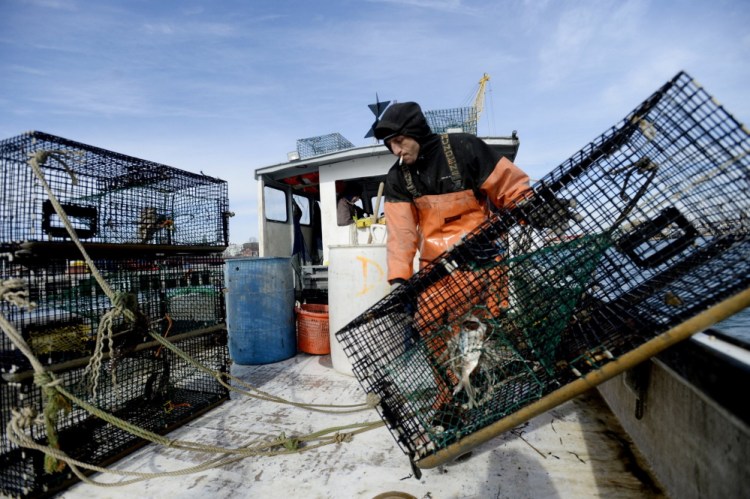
{"x": 260, "y": 310}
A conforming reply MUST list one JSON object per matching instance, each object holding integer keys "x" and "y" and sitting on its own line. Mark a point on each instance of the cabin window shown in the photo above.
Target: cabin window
{"x": 275, "y": 204}
{"x": 304, "y": 205}
{"x": 373, "y": 202}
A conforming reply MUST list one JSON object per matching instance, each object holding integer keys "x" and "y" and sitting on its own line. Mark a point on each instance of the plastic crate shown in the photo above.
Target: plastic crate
{"x": 645, "y": 227}
{"x": 108, "y": 197}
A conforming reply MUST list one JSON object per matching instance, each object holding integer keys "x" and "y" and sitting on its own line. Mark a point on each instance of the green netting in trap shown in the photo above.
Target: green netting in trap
{"x": 548, "y": 286}
{"x": 644, "y": 228}
{"x": 491, "y": 362}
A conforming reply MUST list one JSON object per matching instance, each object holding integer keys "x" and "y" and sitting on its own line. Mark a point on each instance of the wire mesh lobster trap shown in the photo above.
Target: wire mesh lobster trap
{"x": 153, "y": 234}
{"x": 150, "y": 387}
{"x": 644, "y": 228}
{"x": 322, "y": 144}
{"x": 108, "y": 197}
{"x": 461, "y": 118}
{"x": 172, "y": 295}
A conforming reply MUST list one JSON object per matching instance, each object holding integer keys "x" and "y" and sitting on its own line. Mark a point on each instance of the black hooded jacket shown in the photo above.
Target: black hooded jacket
{"x": 426, "y": 205}
{"x": 431, "y": 174}
{"x": 403, "y": 119}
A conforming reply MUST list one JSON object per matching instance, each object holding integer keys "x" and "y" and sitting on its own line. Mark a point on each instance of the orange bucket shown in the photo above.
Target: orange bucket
{"x": 312, "y": 329}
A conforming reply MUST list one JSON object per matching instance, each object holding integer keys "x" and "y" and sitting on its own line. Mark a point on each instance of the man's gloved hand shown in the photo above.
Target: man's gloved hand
{"x": 480, "y": 249}
{"x": 555, "y": 213}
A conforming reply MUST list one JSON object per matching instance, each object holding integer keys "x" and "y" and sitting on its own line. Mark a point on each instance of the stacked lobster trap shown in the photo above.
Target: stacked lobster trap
{"x": 108, "y": 197}
{"x": 154, "y": 236}
{"x": 608, "y": 255}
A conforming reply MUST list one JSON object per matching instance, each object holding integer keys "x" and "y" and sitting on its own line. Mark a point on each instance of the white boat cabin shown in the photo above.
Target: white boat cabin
{"x": 314, "y": 185}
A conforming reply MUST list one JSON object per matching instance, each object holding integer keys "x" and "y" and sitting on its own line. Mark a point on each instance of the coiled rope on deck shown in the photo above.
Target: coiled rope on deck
{"x": 371, "y": 400}
{"x": 52, "y": 387}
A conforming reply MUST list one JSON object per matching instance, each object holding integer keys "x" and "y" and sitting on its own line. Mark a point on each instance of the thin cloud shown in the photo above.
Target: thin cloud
{"x": 191, "y": 29}
{"x": 25, "y": 70}
{"x": 438, "y": 5}
{"x": 563, "y": 53}
{"x": 228, "y": 87}
{"x": 54, "y": 4}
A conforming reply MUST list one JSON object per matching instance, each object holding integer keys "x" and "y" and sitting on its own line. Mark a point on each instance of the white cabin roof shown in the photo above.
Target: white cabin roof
{"x": 311, "y": 165}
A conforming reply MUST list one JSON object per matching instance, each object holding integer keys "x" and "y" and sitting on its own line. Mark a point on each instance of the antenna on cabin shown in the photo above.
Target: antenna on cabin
{"x": 377, "y": 109}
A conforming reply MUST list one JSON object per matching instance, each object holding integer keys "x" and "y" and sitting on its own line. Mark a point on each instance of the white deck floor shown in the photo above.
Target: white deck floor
{"x": 576, "y": 450}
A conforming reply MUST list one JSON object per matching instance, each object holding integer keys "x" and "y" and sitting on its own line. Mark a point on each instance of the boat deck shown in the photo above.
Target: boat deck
{"x": 576, "y": 450}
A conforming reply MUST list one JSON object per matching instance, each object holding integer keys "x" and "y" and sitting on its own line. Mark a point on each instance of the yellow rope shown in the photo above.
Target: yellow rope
{"x": 121, "y": 308}
{"x": 104, "y": 331}
{"x": 14, "y": 291}
{"x": 36, "y": 162}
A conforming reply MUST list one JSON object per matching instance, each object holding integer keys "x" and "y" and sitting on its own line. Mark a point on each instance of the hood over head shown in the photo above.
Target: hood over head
{"x": 405, "y": 118}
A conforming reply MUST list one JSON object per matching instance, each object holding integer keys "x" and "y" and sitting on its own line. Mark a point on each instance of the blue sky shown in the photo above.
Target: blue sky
{"x": 226, "y": 87}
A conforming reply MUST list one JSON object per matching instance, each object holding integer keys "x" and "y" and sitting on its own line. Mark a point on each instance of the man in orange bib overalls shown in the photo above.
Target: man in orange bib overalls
{"x": 440, "y": 188}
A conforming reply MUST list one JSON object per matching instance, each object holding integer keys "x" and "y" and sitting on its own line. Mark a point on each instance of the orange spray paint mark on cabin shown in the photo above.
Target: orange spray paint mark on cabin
{"x": 367, "y": 285}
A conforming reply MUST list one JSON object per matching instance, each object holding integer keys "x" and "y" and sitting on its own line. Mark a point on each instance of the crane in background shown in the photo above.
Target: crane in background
{"x": 476, "y": 103}
{"x": 479, "y": 99}
{"x": 461, "y": 119}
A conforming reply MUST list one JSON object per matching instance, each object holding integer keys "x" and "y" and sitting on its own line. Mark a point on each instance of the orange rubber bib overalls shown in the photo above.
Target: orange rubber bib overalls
{"x": 433, "y": 224}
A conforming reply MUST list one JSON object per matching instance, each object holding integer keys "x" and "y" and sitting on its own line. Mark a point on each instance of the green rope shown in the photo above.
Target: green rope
{"x": 10, "y": 292}
{"x": 276, "y": 447}
{"x": 54, "y": 403}
{"x": 121, "y": 305}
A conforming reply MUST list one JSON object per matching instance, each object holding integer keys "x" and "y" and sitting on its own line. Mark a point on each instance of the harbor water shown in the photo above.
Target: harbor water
{"x": 737, "y": 326}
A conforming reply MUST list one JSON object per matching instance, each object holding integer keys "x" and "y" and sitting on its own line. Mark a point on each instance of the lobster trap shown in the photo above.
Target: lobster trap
{"x": 460, "y": 118}
{"x": 109, "y": 198}
{"x": 322, "y": 144}
{"x": 171, "y": 294}
{"x": 643, "y": 229}
{"x": 150, "y": 387}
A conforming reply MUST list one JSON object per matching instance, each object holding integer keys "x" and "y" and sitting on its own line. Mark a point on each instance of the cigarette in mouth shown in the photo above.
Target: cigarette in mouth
{"x": 400, "y": 160}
